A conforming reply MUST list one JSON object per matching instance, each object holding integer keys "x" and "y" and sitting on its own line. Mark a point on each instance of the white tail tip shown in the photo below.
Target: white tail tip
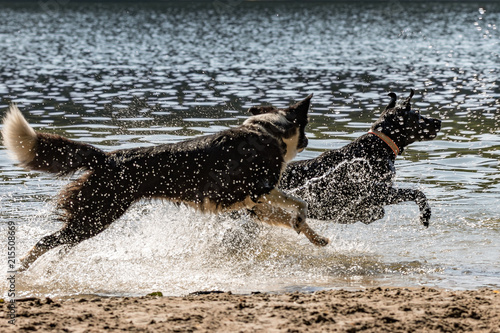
{"x": 18, "y": 136}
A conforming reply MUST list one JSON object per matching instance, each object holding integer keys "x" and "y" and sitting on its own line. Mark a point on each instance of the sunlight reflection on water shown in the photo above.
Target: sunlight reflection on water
{"x": 122, "y": 76}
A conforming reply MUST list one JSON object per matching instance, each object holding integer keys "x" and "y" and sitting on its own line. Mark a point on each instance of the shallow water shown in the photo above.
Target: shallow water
{"x": 121, "y": 76}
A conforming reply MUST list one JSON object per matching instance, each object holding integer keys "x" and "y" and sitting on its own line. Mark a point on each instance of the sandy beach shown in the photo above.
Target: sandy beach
{"x": 371, "y": 310}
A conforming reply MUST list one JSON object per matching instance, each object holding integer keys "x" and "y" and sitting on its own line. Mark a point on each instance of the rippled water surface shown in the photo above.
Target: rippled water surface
{"x": 121, "y": 76}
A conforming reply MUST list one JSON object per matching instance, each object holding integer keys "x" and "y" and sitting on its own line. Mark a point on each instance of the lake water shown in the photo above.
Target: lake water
{"x": 121, "y": 76}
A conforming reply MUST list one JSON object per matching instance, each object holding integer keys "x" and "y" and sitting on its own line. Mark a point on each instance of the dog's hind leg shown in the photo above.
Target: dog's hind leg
{"x": 90, "y": 204}
{"x": 401, "y": 195}
{"x": 74, "y": 232}
{"x": 45, "y": 244}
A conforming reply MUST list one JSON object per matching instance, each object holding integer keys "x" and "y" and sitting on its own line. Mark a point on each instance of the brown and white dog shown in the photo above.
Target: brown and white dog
{"x": 238, "y": 168}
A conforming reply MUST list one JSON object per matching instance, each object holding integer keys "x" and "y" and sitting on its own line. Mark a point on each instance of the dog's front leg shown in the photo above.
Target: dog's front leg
{"x": 277, "y": 198}
{"x": 273, "y": 208}
{"x": 406, "y": 194}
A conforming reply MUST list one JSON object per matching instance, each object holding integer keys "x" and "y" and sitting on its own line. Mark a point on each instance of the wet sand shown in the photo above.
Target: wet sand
{"x": 371, "y": 310}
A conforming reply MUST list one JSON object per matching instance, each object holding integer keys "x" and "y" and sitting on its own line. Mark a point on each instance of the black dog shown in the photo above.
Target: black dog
{"x": 234, "y": 169}
{"x": 354, "y": 183}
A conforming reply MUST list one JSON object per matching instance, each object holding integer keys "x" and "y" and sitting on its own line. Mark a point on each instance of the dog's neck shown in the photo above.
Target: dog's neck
{"x": 391, "y": 144}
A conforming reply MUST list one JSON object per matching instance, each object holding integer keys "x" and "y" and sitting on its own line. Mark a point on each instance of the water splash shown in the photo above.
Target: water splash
{"x": 176, "y": 250}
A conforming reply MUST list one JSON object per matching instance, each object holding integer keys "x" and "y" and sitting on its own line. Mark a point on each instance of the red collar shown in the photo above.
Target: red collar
{"x": 387, "y": 140}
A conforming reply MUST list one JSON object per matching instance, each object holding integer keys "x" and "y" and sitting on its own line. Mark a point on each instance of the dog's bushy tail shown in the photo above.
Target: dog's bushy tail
{"x": 46, "y": 152}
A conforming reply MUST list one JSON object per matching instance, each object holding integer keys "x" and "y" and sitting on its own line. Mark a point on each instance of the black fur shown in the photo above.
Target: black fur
{"x": 354, "y": 183}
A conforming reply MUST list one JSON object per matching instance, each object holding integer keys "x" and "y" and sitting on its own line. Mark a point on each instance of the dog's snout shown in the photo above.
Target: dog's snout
{"x": 437, "y": 124}
{"x": 303, "y": 143}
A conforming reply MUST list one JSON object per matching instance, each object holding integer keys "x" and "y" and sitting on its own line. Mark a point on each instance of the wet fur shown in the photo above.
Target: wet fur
{"x": 234, "y": 169}
{"x": 355, "y": 182}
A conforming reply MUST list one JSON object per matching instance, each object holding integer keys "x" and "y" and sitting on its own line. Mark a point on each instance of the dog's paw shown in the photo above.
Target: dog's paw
{"x": 425, "y": 216}
{"x": 21, "y": 268}
{"x": 320, "y": 241}
{"x": 24, "y": 264}
{"x": 314, "y": 237}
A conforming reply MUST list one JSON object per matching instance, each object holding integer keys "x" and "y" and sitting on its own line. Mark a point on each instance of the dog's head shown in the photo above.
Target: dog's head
{"x": 288, "y": 124}
{"x": 404, "y": 125}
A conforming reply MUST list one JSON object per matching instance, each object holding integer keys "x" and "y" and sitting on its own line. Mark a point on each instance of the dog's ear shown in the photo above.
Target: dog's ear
{"x": 392, "y": 103}
{"x": 256, "y": 110}
{"x": 299, "y": 110}
{"x": 407, "y": 102}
